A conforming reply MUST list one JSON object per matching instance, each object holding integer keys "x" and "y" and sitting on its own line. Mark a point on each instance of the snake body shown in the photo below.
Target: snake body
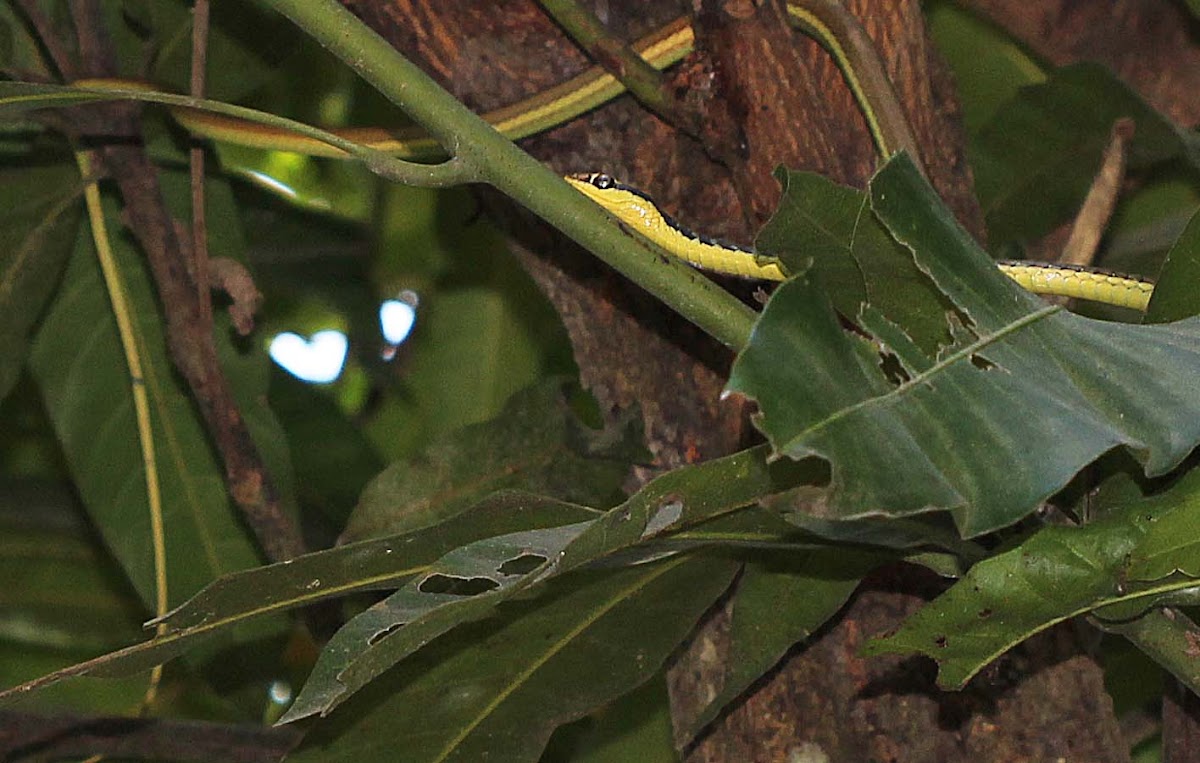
{"x": 637, "y": 211}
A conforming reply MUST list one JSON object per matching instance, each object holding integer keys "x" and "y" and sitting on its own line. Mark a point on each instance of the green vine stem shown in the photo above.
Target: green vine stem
{"x": 495, "y": 160}
{"x": 1168, "y": 637}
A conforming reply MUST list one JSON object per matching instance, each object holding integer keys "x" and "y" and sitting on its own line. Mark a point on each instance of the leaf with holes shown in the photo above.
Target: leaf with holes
{"x": 470, "y": 582}
{"x": 853, "y": 254}
{"x": 1116, "y": 567}
{"x": 381, "y": 564}
{"x": 497, "y": 690}
{"x": 1025, "y": 397}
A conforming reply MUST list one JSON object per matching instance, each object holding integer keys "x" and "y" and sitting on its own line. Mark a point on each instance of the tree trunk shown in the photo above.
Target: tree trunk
{"x": 785, "y": 102}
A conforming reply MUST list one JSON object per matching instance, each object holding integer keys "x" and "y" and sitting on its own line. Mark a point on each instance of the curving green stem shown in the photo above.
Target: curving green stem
{"x": 495, "y": 160}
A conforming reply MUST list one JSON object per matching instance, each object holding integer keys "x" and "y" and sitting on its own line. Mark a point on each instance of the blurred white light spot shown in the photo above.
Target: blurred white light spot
{"x": 397, "y": 316}
{"x": 318, "y": 359}
{"x": 273, "y": 184}
{"x": 280, "y": 692}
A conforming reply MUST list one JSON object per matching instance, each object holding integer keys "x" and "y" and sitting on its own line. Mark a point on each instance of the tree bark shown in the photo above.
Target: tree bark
{"x": 788, "y": 104}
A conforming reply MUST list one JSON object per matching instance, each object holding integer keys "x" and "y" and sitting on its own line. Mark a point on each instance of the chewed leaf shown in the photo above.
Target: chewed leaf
{"x": 381, "y": 564}
{"x": 497, "y": 690}
{"x": 999, "y": 420}
{"x": 468, "y": 583}
{"x": 1117, "y": 568}
{"x": 853, "y": 254}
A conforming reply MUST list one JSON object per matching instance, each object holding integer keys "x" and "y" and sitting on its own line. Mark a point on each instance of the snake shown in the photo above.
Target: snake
{"x": 827, "y": 21}
{"x": 637, "y": 211}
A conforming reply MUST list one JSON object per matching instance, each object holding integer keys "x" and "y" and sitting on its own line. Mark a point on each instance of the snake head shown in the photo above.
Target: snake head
{"x": 597, "y": 179}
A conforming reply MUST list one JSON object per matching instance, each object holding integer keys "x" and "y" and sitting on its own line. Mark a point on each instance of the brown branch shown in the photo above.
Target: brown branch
{"x": 190, "y": 341}
{"x": 28, "y": 738}
{"x": 199, "y": 247}
{"x": 95, "y": 49}
{"x": 1101, "y": 198}
{"x": 189, "y": 325}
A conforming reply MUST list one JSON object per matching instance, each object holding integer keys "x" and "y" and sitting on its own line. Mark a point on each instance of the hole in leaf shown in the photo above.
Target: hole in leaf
{"x": 454, "y": 586}
{"x": 384, "y": 634}
{"x": 664, "y": 516}
{"x": 982, "y": 363}
{"x": 893, "y": 369}
{"x": 522, "y": 565}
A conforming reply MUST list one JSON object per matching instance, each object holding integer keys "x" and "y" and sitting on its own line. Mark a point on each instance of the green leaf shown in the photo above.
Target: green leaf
{"x": 1172, "y": 539}
{"x": 238, "y": 62}
{"x": 995, "y": 423}
{"x": 1116, "y": 567}
{"x": 1056, "y": 574}
{"x": 461, "y": 557}
{"x": 1175, "y": 296}
{"x": 468, "y": 583}
{"x": 831, "y": 227}
{"x": 476, "y": 346}
{"x": 61, "y": 591}
{"x": 635, "y": 727}
{"x": 987, "y": 64}
{"x": 1035, "y": 161}
{"x": 499, "y": 689}
{"x": 39, "y": 220}
{"x": 20, "y": 50}
{"x": 79, "y": 364}
{"x": 332, "y": 453}
{"x": 64, "y": 599}
{"x": 780, "y": 600}
{"x": 801, "y": 507}
{"x": 385, "y": 563}
{"x": 536, "y": 444}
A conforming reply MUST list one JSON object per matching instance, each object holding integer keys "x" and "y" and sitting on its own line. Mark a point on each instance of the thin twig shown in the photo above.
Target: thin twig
{"x": 1101, "y": 198}
{"x": 442, "y": 175}
{"x": 189, "y": 335}
{"x": 619, "y": 59}
{"x": 200, "y": 15}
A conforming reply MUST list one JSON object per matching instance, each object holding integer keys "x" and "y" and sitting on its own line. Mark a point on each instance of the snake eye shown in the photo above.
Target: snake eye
{"x": 602, "y": 181}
